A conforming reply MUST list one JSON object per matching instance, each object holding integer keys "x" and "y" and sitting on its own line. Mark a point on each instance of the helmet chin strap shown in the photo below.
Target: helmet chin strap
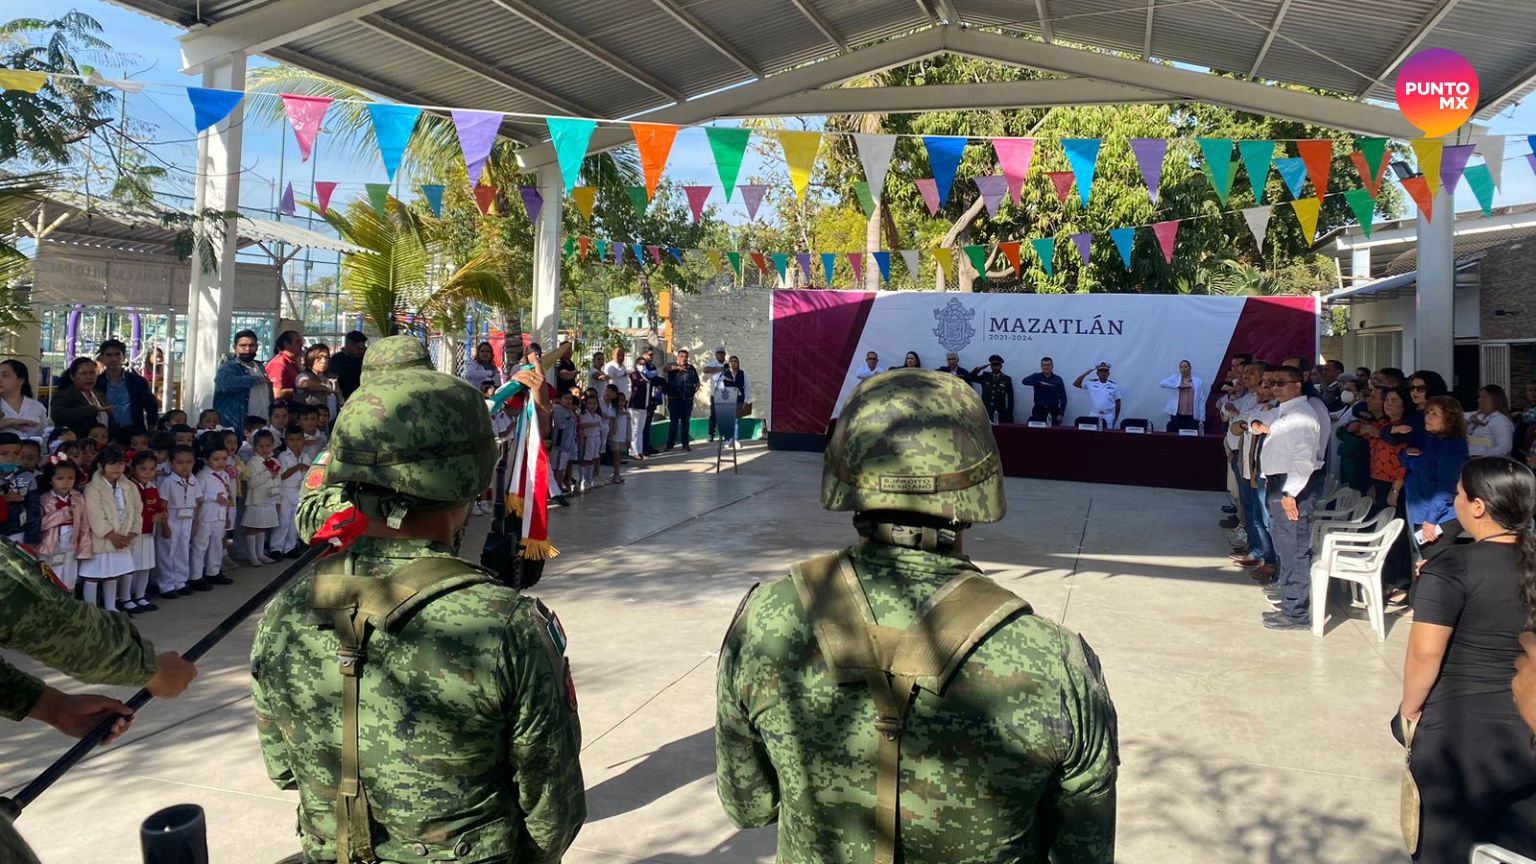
{"x": 892, "y": 529}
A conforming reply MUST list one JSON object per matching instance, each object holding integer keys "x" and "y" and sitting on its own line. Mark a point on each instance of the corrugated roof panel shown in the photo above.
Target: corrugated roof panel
{"x": 772, "y": 32}
{"x": 1201, "y": 36}
{"x": 864, "y": 21}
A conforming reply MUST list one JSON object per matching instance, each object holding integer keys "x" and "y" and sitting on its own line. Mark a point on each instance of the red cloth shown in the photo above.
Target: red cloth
{"x": 1158, "y": 459}
{"x": 272, "y": 465}
{"x": 152, "y": 504}
{"x": 345, "y": 527}
{"x": 283, "y": 372}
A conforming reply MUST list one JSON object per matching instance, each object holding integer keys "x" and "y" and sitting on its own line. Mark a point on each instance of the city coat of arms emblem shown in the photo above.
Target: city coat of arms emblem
{"x": 954, "y": 329}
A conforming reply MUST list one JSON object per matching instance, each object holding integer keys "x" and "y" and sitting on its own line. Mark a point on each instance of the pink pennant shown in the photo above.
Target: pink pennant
{"x": 1014, "y": 156}
{"x": 992, "y": 188}
{"x": 1084, "y": 243}
{"x": 857, "y": 260}
{"x": 752, "y": 196}
{"x": 930, "y": 189}
{"x": 655, "y": 254}
{"x": 1062, "y": 180}
{"x": 305, "y": 114}
{"x": 1166, "y": 233}
{"x": 697, "y": 195}
{"x": 323, "y": 190}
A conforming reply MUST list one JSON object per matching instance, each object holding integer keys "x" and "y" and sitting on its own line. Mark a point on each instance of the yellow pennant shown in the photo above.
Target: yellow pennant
{"x": 715, "y": 260}
{"x": 584, "y": 196}
{"x": 1428, "y": 150}
{"x": 17, "y": 79}
{"x": 944, "y": 257}
{"x": 1307, "y": 210}
{"x": 800, "y": 152}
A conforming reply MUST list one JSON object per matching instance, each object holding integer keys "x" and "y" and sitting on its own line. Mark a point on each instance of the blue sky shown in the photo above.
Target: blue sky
{"x": 264, "y": 163}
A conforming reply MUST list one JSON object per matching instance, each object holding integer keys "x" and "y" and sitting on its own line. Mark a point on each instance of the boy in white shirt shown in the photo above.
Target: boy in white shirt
{"x": 293, "y": 465}
{"x": 173, "y": 555}
{"x": 215, "y": 503}
{"x": 314, "y": 440}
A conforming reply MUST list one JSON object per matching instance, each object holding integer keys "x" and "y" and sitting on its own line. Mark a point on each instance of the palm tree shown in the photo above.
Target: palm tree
{"x": 397, "y": 277}
{"x": 18, "y": 193}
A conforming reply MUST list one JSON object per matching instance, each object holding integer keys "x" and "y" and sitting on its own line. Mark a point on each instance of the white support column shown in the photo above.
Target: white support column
{"x": 546, "y": 258}
{"x": 1359, "y": 266}
{"x": 1435, "y": 309}
{"x": 211, "y": 296}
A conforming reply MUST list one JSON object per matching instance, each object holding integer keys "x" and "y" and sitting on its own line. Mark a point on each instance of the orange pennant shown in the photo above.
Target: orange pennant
{"x": 1011, "y": 250}
{"x": 655, "y": 142}
{"x": 1372, "y": 184}
{"x": 1418, "y": 189}
{"x": 1062, "y": 180}
{"x": 585, "y": 243}
{"x": 761, "y": 262}
{"x": 1318, "y": 157}
{"x": 485, "y": 196}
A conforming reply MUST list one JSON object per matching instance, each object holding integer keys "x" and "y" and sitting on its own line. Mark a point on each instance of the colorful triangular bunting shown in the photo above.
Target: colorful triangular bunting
{"x": 1010, "y": 251}
{"x": 1317, "y": 155}
{"x": 992, "y": 188}
{"x": 639, "y": 199}
{"x": 1418, "y": 189}
{"x": 655, "y": 143}
{"x": 392, "y": 128}
{"x": 210, "y": 106}
{"x": 485, "y": 198}
{"x": 1294, "y": 172}
{"x": 1429, "y": 151}
{"x": 697, "y": 195}
{"x": 433, "y": 193}
{"x": 829, "y": 265}
{"x": 1084, "y": 244}
{"x": 1258, "y": 223}
{"x": 728, "y": 145}
{"x": 875, "y": 156}
{"x": 1149, "y": 154}
{"x": 305, "y": 115}
{"x": 1125, "y": 240}
{"x": 533, "y": 202}
{"x": 323, "y": 191}
{"x": 1371, "y": 181}
{"x": 752, "y": 196}
{"x": 1083, "y": 155}
{"x": 1491, "y": 148}
{"x": 1374, "y": 152}
{"x": 1364, "y": 207}
{"x": 944, "y": 154}
{"x": 883, "y": 261}
{"x": 1257, "y": 156}
{"x": 1013, "y": 158}
{"x": 286, "y": 205}
{"x": 866, "y": 200}
{"x": 584, "y": 198}
{"x": 977, "y": 255}
{"x": 570, "y": 137}
{"x": 1480, "y": 178}
{"x": 804, "y": 260}
{"x": 378, "y": 196}
{"x": 800, "y": 155}
{"x": 1218, "y": 158}
{"x": 1307, "y": 210}
{"x": 735, "y": 259}
{"x": 945, "y": 257}
{"x": 1045, "y": 250}
{"x": 909, "y": 258}
{"x": 930, "y": 192}
{"x": 1062, "y": 180}
{"x": 1167, "y": 234}
{"x": 856, "y": 260}
{"x": 1453, "y": 163}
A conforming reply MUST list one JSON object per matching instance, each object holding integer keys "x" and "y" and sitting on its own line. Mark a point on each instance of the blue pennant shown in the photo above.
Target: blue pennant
{"x": 1294, "y": 172}
{"x": 883, "y": 259}
{"x": 944, "y": 154}
{"x": 1125, "y": 240}
{"x": 1083, "y": 154}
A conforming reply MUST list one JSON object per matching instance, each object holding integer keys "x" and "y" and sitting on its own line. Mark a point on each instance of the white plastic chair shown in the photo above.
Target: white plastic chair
{"x": 1487, "y": 853}
{"x": 1357, "y": 559}
{"x": 1350, "y": 518}
{"x": 1338, "y": 499}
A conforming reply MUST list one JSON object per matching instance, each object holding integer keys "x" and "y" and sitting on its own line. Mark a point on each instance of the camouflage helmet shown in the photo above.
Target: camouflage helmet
{"x": 422, "y": 435}
{"x": 396, "y": 352}
{"x": 914, "y": 441}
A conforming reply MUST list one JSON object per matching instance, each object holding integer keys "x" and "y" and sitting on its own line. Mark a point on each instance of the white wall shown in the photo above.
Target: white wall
{"x": 740, "y": 319}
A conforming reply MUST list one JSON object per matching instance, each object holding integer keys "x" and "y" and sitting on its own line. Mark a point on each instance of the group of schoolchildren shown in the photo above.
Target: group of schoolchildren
{"x": 156, "y": 514}
{"x": 587, "y": 430}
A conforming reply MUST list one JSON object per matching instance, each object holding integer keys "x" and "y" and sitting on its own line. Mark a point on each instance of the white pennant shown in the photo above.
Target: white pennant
{"x": 910, "y": 257}
{"x": 1491, "y": 148}
{"x": 875, "y": 152}
{"x": 1258, "y": 222}
{"x": 95, "y": 80}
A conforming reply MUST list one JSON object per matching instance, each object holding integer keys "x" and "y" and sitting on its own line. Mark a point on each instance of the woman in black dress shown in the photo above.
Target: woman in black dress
{"x": 1472, "y": 754}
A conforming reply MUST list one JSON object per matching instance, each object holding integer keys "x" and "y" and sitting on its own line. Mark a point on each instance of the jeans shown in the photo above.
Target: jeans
{"x": 1260, "y": 545}
{"x": 1293, "y": 546}
{"x": 679, "y": 412}
{"x": 1260, "y": 498}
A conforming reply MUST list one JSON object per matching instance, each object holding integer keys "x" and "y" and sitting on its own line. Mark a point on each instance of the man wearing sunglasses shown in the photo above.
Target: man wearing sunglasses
{"x": 1289, "y": 462}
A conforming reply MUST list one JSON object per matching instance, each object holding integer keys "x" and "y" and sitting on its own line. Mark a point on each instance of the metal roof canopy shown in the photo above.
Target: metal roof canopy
{"x": 1404, "y": 285}
{"x": 694, "y": 61}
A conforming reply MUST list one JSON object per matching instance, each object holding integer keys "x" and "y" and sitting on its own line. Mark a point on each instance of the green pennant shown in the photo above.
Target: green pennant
{"x": 735, "y": 262}
{"x": 570, "y": 246}
{"x": 1257, "y": 157}
{"x": 1364, "y": 207}
{"x": 1480, "y": 178}
{"x": 602, "y": 250}
{"x": 639, "y": 198}
{"x": 978, "y": 257}
{"x": 378, "y": 196}
{"x": 866, "y": 201}
{"x": 728, "y": 146}
{"x": 1217, "y": 151}
{"x": 1045, "y": 250}
{"x": 781, "y": 264}
{"x": 1374, "y": 150}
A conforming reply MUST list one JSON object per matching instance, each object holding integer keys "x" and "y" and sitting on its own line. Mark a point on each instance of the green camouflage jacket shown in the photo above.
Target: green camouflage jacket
{"x": 469, "y": 738}
{"x": 42, "y": 620}
{"x": 1016, "y": 762}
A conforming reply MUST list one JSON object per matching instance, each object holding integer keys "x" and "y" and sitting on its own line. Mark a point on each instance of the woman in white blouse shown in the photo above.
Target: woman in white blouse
{"x": 19, "y": 412}
{"x": 1491, "y": 431}
{"x": 1187, "y": 402}
{"x": 483, "y": 367}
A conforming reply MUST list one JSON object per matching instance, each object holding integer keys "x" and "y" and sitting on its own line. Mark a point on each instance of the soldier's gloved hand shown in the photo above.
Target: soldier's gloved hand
{"x": 77, "y": 715}
{"x": 172, "y": 675}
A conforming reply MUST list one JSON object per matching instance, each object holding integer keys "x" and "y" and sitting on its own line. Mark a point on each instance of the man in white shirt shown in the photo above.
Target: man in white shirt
{"x": 1103, "y": 394}
{"x": 871, "y": 366}
{"x": 1289, "y": 463}
{"x": 617, "y": 372}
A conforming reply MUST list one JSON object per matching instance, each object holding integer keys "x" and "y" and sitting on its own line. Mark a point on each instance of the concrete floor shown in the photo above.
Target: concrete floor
{"x": 1238, "y": 744}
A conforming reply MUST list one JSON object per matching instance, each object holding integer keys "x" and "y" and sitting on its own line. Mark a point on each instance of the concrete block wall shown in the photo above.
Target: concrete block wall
{"x": 739, "y": 319}
{"x": 1508, "y": 281}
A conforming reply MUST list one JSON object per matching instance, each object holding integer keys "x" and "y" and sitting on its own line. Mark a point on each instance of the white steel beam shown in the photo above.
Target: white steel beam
{"x": 1269, "y": 39}
{"x": 474, "y": 66}
{"x": 1146, "y": 43}
{"x": 712, "y": 38}
{"x": 1430, "y": 22}
{"x": 1522, "y": 81}
{"x": 821, "y": 23}
{"x": 728, "y": 103}
{"x": 549, "y": 25}
{"x": 270, "y": 26}
{"x": 1043, "y": 15}
{"x": 211, "y": 295}
{"x": 1185, "y": 84}
{"x": 1468, "y": 224}
{"x": 988, "y": 96}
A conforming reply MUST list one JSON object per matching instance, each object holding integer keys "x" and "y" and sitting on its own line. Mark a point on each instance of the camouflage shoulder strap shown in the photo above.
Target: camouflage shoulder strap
{"x": 359, "y": 605}
{"x": 894, "y": 664}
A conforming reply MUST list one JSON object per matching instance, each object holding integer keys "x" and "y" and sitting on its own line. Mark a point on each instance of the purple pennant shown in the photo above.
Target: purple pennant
{"x": 1084, "y": 243}
{"x": 477, "y": 132}
{"x": 752, "y": 196}
{"x": 1149, "y": 156}
{"x": 286, "y": 205}
{"x": 1453, "y": 162}
{"x": 804, "y": 260}
{"x": 1531, "y": 158}
{"x": 618, "y": 253}
{"x": 533, "y": 202}
{"x": 992, "y": 188}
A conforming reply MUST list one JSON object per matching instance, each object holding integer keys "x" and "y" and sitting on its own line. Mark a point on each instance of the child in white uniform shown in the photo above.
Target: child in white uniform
{"x": 618, "y": 432}
{"x": 564, "y": 447}
{"x": 66, "y": 539}
{"x": 112, "y": 505}
{"x": 173, "y": 548}
{"x": 261, "y": 497}
{"x": 294, "y": 464}
{"x": 215, "y": 502}
{"x": 590, "y": 422}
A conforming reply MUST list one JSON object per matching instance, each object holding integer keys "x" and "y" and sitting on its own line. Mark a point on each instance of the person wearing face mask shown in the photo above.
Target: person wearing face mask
{"x": 241, "y": 388}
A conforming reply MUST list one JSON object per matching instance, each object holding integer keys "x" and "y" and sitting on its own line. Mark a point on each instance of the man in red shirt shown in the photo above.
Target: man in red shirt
{"x": 283, "y": 368}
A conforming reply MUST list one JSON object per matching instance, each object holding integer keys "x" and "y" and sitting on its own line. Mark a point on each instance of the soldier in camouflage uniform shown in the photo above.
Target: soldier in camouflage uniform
{"x": 42, "y": 620}
{"x": 423, "y": 711}
{"x": 889, "y": 703}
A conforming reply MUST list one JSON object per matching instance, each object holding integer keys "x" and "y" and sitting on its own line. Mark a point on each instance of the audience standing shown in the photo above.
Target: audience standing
{"x": 241, "y": 388}
{"x": 283, "y": 369}
{"x": 644, "y": 390}
{"x": 314, "y": 386}
{"x": 482, "y": 367}
{"x": 347, "y": 363}
{"x": 729, "y": 387}
{"x": 127, "y": 394}
{"x": 77, "y": 404}
{"x": 1290, "y": 465}
{"x": 682, "y": 386}
{"x": 1434, "y": 466}
{"x": 1491, "y": 431}
{"x": 1050, "y": 393}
